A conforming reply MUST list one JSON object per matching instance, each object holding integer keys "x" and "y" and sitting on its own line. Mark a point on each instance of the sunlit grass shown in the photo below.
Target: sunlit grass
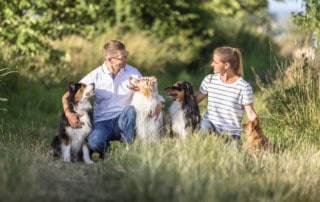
{"x": 197, "y": 169}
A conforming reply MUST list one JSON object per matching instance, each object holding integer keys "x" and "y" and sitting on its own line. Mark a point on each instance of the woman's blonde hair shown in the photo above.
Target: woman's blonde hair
{"x": 231, "y": 55}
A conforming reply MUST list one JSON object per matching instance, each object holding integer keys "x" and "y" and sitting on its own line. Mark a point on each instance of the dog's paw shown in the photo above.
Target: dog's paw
{"x": 66, "y": 157}
{"x": 67, "y": 160}
{"x": 89, "y": 161}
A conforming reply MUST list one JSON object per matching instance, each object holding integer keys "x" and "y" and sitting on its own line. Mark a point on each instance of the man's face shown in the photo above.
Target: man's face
{"x": 120, "y": 60}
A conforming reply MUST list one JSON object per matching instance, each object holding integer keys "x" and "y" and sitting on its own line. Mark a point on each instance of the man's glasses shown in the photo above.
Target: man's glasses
{"x": 123, "y": 58}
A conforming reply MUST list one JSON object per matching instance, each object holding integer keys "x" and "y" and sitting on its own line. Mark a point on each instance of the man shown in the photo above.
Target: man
{"x": 113, "y": 118}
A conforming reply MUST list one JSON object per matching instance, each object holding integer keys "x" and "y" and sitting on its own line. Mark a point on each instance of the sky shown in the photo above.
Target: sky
{"x": 282, "y": 10}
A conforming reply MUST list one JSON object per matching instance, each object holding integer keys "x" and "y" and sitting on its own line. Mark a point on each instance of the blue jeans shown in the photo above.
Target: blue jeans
{"x": 121, "y": 128}
{"x": 206, "y": 127}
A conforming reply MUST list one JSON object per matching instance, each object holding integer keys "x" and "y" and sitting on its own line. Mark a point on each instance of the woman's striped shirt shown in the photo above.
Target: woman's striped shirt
{"x": 226, "y": 103}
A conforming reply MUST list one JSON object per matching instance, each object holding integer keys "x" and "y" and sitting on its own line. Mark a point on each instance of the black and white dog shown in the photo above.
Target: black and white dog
{"x": 71, "y": 143}
{"x": 184, "y": 111}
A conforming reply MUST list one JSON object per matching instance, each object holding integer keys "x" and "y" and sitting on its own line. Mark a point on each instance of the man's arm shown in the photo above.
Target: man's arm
{"x": 72, "y": 117}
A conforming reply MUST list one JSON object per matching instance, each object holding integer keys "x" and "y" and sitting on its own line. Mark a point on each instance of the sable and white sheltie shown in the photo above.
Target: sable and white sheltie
{"x": 71, "y": 143}
{"x": 256, "y": 142}
{"x": 145, "y": 101}
{"x": 184, "y": 111}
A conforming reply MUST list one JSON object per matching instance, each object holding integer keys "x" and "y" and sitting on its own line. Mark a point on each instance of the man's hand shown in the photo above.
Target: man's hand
{"x": 157, "y": 111}
{"x": 73, "y": 119}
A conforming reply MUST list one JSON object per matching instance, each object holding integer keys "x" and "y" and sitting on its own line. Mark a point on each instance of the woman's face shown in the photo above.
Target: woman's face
{"x": 217, "y": 65}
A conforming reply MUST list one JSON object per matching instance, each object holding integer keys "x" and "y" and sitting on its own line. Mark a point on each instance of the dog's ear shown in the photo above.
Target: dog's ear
{"x": 178, "y": 83}
{"x": 188, "y": 87}
{"x": 72, "y": 86}
{"x": 256, "y": 123}
{"x": 153, "y": 78}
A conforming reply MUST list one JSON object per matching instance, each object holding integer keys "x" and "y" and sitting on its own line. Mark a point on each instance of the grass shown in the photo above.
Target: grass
{"x": 197, "y": 169}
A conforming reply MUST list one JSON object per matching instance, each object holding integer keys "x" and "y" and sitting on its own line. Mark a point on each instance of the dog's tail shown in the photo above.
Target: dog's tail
{"x": 56, "y": 146}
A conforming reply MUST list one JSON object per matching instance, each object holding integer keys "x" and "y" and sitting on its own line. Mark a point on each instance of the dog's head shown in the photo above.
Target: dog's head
{"x": 81, "y": 91}
{"x": 180, "y": 90}
{"x": 250, "y": 126}
{"x": 146, "y": 85}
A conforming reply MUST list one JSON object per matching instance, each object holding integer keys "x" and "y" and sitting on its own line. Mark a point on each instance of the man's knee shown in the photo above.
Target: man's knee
{"x": 95, "y": 144}
{"x": 130, "y": 111}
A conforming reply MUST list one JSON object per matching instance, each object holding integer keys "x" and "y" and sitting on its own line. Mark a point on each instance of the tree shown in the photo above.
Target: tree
{"x": 310, "y": 19}
{"x": 28, "y": 27}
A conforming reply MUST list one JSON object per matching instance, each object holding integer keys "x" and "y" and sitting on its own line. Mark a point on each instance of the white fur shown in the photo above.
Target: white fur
{"x": 178, "y": 122}
{"x": 146, "y": 127}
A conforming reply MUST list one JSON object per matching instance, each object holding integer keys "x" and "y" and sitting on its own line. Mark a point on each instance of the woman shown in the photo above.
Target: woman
{"x": 229, "y": 95}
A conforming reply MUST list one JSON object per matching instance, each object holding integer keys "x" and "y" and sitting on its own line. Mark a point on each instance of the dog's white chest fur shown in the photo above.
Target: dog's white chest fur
{"x": 78, "y": 135}
{"x": 178, "y": 121}
{"x": 81, "y": 133}
{"x": 147, "y": 127}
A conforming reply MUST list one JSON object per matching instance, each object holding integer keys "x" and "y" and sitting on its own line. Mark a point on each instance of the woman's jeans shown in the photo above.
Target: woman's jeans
{"x": 206, "y": 127}
{"x": 121, "y": 128}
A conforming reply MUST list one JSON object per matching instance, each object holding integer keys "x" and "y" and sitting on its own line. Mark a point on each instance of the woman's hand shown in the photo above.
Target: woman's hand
{"x": 251, "y": 113}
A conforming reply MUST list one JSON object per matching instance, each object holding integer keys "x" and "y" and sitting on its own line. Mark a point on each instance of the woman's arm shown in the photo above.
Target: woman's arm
{"x": 200, "y": 96}
{"x": 251, "y": 113}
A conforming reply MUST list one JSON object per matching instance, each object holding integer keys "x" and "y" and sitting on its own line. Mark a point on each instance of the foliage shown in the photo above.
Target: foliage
{"x": 29, "y": 24}
{"x": 26, "y": 28}
{"x": 187, "y": 18}
{"x": 309, "y": 19}
{"x": 184, "y": 28}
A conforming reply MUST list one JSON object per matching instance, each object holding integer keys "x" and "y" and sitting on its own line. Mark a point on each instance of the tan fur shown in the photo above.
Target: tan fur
{"x": 256, "y": 142}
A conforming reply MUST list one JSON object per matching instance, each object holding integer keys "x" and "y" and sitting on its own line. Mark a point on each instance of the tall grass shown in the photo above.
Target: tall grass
{"x": 292, "y": 100}
{"x": 197, "y": 169}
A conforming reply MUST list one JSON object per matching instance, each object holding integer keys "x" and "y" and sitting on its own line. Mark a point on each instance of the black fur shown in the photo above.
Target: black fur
{"x": 189, "y": 105}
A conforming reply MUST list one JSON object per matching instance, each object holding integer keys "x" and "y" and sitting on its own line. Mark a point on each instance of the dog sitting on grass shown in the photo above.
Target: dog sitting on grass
{"x": 71, "y": 143}
{"x": 145, "y": 101}
{"x": 256, "y": 142}
{"x": 184, "y": 111}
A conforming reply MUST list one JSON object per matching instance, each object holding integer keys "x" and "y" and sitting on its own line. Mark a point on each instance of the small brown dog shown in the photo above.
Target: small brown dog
{"x": 256, "y": 141}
